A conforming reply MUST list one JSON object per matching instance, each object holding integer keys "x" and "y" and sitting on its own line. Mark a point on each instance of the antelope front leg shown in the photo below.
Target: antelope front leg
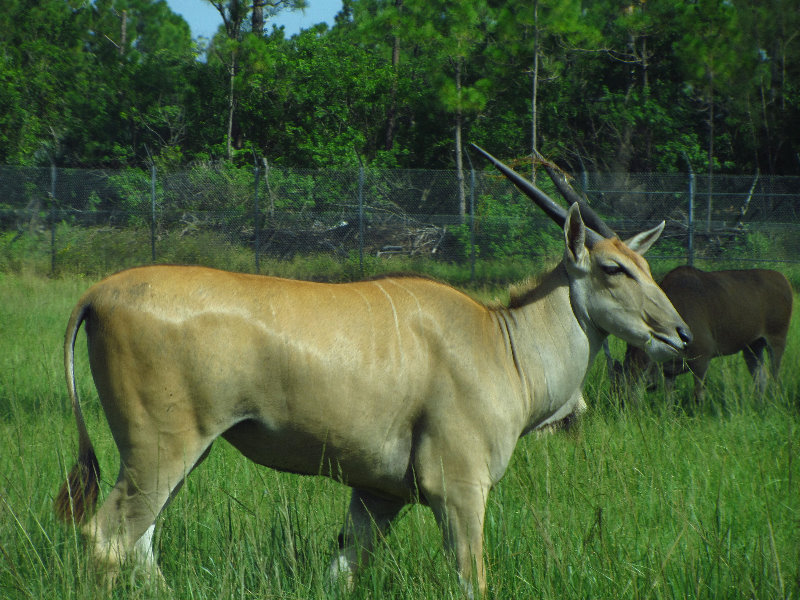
{"x": 460, "y": 515}
{"x": 699, "y": 368}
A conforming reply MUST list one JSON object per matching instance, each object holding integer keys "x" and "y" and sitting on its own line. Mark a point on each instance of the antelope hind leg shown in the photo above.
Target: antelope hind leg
{"x": 123, "y": 527}
{"x": 368, "y": 517}
{"x": 754, "y": 357}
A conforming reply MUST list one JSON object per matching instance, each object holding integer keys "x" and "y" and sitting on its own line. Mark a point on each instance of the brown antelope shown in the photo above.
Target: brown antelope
{"x": 403, "y": 388}
{"x": 728, "y": 312}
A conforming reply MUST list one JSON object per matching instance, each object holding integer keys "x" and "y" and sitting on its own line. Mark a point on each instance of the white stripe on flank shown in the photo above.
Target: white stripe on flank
{"x": 394, "y": 311}
{"x": 409, "y": 292}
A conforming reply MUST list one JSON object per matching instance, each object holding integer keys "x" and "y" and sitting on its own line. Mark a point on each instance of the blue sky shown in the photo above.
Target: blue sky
{"x": 204, "y": 18}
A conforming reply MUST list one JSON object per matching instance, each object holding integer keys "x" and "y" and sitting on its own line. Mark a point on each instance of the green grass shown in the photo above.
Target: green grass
{"x": 650, "y": 501}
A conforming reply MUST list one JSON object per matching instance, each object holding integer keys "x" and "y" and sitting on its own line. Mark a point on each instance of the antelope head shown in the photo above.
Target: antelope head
{"x": 611, "y": 288}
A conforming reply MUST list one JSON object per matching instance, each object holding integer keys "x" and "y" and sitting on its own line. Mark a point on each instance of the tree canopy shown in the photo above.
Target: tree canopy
{"x": 617, "y": 86}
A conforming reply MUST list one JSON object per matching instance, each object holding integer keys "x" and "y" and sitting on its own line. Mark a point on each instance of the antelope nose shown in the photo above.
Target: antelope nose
{"x": 685, "y": 334}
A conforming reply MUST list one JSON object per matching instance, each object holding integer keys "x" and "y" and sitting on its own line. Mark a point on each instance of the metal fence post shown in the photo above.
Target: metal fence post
{"x": 472, "y": 222}
{"x": 585, "y": 182}
{"x": 361, "y": 217}
{"x": 153, "y": 211}
{"x": 256, "y": 220}
{"x": 690, "y": 240}
{"x": 52, "y": 218}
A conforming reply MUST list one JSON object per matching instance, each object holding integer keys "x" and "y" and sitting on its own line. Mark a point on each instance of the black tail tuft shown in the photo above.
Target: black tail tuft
{"x": 77, "y": 498}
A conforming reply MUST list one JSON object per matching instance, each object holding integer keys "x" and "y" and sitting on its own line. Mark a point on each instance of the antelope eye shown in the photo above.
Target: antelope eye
{"x": 612, "y": 269}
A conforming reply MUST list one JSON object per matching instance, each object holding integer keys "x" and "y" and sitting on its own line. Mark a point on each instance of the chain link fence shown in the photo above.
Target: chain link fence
{"x": 116, "y": 219}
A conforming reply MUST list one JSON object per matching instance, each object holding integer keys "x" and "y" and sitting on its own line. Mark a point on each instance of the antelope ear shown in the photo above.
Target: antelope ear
{"x": 575, "y": 238}
{"x": 641, "y": 242}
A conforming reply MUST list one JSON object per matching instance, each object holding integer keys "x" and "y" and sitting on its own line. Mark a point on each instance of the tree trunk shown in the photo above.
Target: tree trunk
{"x": 231, "y": 103}
{"x": 123, "y": 33}
{"x": 391, "y": 116}
{"x": 535, "y": 90}
{"x": 233, "y": 14}
{"x": 258, "y": 17}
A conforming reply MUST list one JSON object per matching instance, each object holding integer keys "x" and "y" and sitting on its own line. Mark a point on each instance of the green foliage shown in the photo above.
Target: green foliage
{"x": 129, "y": 189}
{"x": 118, "y": 84}
{"x": 508, "y": 226}
{"x": 777, "y": 245}
{"x": 101, "y": 250}
{"x": 21, "y": 253}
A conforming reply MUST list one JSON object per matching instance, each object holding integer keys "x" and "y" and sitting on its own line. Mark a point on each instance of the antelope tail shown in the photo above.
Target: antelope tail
{"x": 77, "y": 498}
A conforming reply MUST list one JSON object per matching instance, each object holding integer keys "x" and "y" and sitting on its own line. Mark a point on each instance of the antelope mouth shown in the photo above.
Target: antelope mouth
{"x": 678, "y": 346}
{"x": 660, "y": 347}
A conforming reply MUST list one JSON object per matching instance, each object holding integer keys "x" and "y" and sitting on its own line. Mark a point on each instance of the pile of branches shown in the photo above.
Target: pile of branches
{"x": 384, "y": 233}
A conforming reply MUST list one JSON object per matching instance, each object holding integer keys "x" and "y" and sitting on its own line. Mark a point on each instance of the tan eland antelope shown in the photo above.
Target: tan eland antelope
{"x": 403, "y": 388}
{"x": 728, "y": 312}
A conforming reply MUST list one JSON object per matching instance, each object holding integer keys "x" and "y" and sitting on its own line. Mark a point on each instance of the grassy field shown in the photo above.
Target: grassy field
{"x": 650, "y": 501}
